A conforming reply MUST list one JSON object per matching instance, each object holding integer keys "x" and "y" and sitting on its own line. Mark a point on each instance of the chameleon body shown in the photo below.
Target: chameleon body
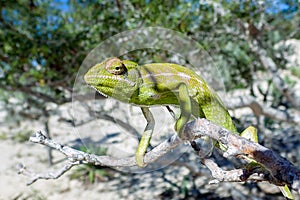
{"x": 158, "y": 84}
{"x": 163, "y": 84}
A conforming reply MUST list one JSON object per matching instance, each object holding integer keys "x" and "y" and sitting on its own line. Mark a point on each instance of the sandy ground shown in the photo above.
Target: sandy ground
{"x": 34, "y": 157}
{"x": 115, "y": 138}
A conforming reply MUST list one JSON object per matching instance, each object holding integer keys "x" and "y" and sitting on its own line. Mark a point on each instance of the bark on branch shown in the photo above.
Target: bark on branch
{"x": 281, "y": 171}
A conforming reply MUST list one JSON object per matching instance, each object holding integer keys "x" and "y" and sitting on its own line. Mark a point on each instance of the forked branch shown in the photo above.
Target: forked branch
{"x": 272, "y": 167}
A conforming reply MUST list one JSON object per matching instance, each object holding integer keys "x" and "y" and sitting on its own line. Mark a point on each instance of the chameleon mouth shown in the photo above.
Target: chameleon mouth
{"x": 89, "y": 79}
{"x": 100, "y": 83}
{"x": 98, "y": 91}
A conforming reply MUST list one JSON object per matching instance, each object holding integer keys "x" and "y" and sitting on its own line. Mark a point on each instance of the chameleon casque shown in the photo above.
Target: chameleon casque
{"x": 158, "y": 84}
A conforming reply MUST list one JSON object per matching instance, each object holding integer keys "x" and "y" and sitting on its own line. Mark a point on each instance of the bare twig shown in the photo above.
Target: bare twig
{"x": 272, "y": 168}
{"x": 77, "y": 157}
{"x": 236, "y": 175}
{"x": 49, "y": 175}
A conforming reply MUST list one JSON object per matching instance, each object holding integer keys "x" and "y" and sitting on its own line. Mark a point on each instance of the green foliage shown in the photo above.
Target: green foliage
{"x": 90, "y": 173}
{"x": 291, "y": 83}
{"x": 296, "y": 71}
{"x": 22, "y": 136}
{"x": 3, "y": 136}
{"x": 184, "y": 188}
{"x": 45, "y": 42}
{"x": 93, "y": 149}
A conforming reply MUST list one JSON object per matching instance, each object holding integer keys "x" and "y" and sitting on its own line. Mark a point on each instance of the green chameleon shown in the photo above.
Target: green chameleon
{"x": 161, "y": 84}
{"x": 158, "y": 84}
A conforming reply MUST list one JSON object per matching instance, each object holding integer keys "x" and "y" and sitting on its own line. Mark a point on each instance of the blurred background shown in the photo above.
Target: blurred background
{"x": 255, "y": 45}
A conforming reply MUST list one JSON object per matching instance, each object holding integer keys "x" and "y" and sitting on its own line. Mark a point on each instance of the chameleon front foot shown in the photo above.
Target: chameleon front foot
{"x": 139, "y": 158}
{"x": 146, "y": 137}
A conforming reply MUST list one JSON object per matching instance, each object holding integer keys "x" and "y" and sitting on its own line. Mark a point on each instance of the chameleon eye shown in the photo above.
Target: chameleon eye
{"x": 115, "y": 66}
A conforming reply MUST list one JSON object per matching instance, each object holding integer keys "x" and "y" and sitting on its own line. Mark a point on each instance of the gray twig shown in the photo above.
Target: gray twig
{"x": 272, "y": 167}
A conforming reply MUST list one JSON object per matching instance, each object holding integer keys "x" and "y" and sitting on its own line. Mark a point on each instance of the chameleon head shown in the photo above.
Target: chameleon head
{"x": 114, "y": 77}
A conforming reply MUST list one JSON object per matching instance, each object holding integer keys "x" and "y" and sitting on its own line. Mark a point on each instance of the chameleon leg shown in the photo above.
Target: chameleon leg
{"x": 146, "y": 137}
{"x": 185, "y": 108}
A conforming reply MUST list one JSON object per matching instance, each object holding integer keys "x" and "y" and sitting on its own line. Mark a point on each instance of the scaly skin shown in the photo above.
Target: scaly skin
{"x": 158, "y": 84}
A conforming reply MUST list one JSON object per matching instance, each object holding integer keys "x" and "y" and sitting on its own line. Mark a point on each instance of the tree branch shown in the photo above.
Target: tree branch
{"x": 281, "y": 171}
{"x": 272, "y": 167}
{"x": 77, "y": 157}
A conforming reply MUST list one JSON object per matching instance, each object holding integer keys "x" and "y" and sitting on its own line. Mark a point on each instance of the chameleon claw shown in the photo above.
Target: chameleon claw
{"x": 140, "y": 160}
